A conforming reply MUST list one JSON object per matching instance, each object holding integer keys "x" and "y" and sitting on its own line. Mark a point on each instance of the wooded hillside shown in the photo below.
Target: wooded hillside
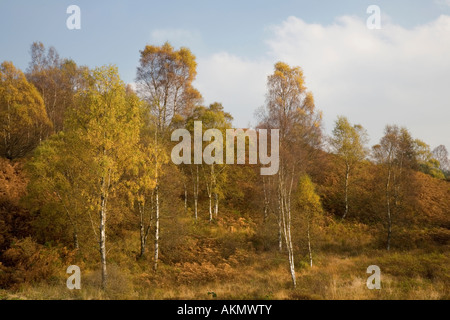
{"x": 86, "y": 179}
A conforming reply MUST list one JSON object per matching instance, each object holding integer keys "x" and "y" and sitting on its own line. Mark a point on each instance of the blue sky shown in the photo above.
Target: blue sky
{"x": 399, "y": 74}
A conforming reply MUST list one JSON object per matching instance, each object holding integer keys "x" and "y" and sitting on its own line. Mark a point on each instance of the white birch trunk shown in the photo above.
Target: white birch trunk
{"x": 185, "y": 198}
{"x": 102, "y": 241}
{"x": 142, "y": 229}
{"x": 195, "y": 182}
{"x": 155, "y": 266}
{"x": 210, "y": 207}
{"x": 156, "y": 255}
{"x": 216, "y": 204}
{"x": 196, "y": 195}
{"x": 280, "y": 223}
{"x": 285, "y": 204}
{"x": 309, "y": 245}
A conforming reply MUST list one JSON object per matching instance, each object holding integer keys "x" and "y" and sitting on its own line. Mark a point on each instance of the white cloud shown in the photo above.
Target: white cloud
{"x": 443, "y": 2}
{"x": 238, "y": 83}
{"x": 374, "y": 77}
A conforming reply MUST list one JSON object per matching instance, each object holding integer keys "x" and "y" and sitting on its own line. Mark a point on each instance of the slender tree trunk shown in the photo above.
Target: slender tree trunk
{"x": 309, "y": 245}
{"x": 388, "y": 206}
{"x": 285, "y": 196}
{"x": 265, "y": 212}
{"x": 210, "y": 206}
{"x": 196, "y": 206}
{"x": 280, "y": 235}
{"x": 211, "y": 190}
{"x": 155, "y": 267}
{"x": 75, "y": 239}
{"x": 185, "y": 198}
{"x": 280, "y": 224}
{"x": 347, "y": 173}
{"x": 291, "y": 249}
{"x": 216, "y": 204}
{"x": 142, "y": 235}
{"x": 214, "y": 189}
{"x": 195, "y": 181}
{"x": 196, "y": 195}
{"x": 266, "y": 201}
{"x": 142, "y": 230}
{"x": 103, "y": 235}
{"x": 288, "y": 241}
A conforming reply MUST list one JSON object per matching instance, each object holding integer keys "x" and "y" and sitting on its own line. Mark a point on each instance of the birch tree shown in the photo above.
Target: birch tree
{"x": 56, "y": 79}
{"x": 395, "y": 152}
{"x": 140, "y": 186}
{"x": 164, "y": 81}
{"x": 440, "y": 153}
{"x": 309, "y": 206}
{"x": 23, "y": 119}
{"x": 290, "y": 108}
{"x": 195, "y": 184}
{"x": 348, "y": 143}
{"x": 214, "y": 175}
{"x": 103, "y": 131}
{"x": 426, "y": 160}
